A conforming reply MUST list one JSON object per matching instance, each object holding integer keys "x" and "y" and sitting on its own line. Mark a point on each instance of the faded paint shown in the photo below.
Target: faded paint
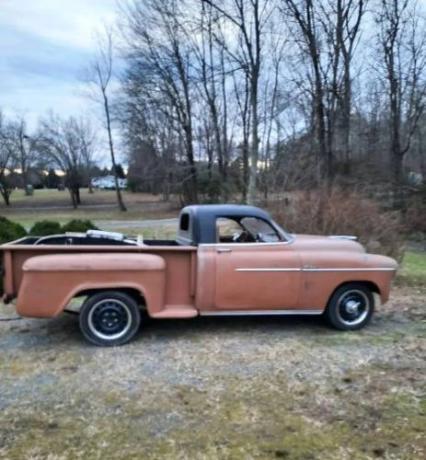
{"x": 181, "y": 282}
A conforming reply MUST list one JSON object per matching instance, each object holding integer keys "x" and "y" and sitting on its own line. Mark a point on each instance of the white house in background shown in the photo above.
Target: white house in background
{"x": 108, "y": 182}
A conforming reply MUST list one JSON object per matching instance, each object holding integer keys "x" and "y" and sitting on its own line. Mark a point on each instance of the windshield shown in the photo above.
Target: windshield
{"x": 260, "y": 230}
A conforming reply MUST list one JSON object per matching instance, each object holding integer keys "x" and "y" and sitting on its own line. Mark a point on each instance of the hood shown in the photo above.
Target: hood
{"x": 327, "y": 243}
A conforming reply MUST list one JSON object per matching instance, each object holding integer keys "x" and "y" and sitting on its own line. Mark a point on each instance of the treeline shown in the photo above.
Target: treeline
{"x": 67, "y": 145}
{"x": 60, "y": 153}
{"x": 241, "y": 99}
{"x": 260, "y": 96}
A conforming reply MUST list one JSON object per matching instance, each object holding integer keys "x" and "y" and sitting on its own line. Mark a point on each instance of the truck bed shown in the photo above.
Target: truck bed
{"x": 180, "y": 261}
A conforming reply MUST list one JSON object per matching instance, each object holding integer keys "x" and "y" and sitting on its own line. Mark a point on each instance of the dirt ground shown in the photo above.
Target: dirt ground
{"x": 236, "y": 388}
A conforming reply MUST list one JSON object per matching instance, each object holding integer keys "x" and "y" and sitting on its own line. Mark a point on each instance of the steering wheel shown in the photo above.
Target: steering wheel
{"x": 240, "y": 237}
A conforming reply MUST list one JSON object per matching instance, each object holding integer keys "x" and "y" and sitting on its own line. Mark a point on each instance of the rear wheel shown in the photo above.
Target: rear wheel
{"x": 350, "y": 307}
{"x": 110, "y": 318}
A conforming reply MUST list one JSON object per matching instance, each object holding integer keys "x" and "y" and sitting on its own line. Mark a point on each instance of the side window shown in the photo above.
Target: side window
{"x": 245, "y": 230}
{"x": 260, "y": 230}
{"x": 227, "y": 230}
{"x": 184, "y": 222}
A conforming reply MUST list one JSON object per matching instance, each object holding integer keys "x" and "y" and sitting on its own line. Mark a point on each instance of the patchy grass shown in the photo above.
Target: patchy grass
{"x": 100, "y": 207}
{"x": 52, "y": 197}
{"x": 413, "y": 269}
{"x": 208, "y": 389}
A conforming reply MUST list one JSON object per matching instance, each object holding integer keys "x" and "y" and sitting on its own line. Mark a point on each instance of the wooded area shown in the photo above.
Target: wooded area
{"x": 241, "y": 99}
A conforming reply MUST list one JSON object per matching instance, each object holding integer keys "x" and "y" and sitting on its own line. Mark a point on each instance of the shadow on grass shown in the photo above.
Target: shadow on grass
{"x": 64, "y": 330}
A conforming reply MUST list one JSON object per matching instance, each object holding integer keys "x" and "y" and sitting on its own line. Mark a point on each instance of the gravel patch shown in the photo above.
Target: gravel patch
{"x": 218, "y": 388}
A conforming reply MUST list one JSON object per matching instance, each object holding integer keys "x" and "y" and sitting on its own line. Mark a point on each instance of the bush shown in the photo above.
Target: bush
{"x": 10, "y": 231}
{"x": 79, "y": 225}
{"x": 342, "y": 213}
{"x": 415, "y": 216}
{"x": 46, "y": 227}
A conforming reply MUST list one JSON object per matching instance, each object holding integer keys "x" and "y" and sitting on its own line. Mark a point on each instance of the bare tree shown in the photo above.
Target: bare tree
{"x": 402, "y": 41}
{"x": 162, "y": 59}
{"x": 231, "y": 92}
{"x": 242, "y": 97}
{"x": 99, "y": 77}
{"x": 342, "y": 24}
{"x": 67, "y": 145}
{"x": 211, "y": 67}
{"x": 249, "y": 17}
{"x": 327, "y": 33}
{"x": 7, "y": 160}
{"x": 25, "y": 148}
{"x": 304, "y": 15}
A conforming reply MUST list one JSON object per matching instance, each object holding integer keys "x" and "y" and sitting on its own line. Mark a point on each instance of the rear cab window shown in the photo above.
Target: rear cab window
{"x": 184, "y": 222}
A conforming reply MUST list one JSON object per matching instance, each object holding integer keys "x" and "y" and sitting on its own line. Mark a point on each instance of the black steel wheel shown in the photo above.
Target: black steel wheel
{"x": 110, "y": 318}
{"x": 350, "y": 307}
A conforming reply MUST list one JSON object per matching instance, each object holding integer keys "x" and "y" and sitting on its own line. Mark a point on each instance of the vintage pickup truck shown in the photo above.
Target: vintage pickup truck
{"x": 226, "y": 260}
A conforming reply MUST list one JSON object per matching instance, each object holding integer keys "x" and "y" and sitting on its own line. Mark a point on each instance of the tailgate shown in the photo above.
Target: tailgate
{"x": 1, "y": 274}
{"x": 6, "y": 276}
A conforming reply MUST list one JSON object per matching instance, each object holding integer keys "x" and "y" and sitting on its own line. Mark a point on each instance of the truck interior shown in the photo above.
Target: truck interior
{"x": 92, "y": 238}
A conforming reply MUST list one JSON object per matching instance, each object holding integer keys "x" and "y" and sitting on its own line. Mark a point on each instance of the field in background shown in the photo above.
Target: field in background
{"x": 100, "y": 207}
{"x": 147, "y": 215}
{"x": 413, "y": 269}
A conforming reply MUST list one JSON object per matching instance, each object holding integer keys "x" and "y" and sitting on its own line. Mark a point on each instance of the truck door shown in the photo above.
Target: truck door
{"x": 255, "y": 269}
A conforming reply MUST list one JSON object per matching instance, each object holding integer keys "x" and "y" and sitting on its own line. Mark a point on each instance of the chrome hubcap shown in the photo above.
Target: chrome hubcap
{"x": 353, "y": 307}
{"x": 109, "y": 319}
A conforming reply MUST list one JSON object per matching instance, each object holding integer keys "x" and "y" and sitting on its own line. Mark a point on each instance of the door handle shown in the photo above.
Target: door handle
{"x": 220, "y": 250}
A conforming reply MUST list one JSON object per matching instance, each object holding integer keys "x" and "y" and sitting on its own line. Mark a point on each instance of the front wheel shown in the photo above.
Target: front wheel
{"x": 109, "y": 318}
{"x": 350, "y": 307}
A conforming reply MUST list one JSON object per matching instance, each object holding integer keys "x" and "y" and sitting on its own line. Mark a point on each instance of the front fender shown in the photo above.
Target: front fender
{"x": 50, "y": 282}
{"x": 323, "y": 272}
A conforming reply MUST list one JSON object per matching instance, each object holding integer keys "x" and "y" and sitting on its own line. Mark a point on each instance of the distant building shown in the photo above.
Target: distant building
{"x": 108, "y": 183}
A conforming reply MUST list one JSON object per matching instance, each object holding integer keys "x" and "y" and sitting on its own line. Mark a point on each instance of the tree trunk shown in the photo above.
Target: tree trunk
{"x": 73, "y": 198}
{"x": 120, "y": 201}
{"x": 396, "y": 154}
{"x": 254, "y": 149}
{"x": 192, "y": 193}
{"x": 77, "y": 195}
{"x": 6, "y": 196}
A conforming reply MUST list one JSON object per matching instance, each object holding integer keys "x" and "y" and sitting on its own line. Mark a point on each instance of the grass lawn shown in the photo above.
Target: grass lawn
{"x": 100, "y": 206}
{"x": 413, "y": 269}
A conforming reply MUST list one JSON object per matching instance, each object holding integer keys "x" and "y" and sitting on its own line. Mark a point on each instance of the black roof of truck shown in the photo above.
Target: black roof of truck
{"x": 200, "y": 226}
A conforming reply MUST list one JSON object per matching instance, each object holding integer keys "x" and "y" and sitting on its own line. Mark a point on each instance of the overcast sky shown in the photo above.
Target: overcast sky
{"x": 44, "y": 46}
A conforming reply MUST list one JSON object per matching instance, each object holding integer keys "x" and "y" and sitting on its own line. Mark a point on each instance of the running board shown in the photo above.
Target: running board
{"x": 260, "y": 312}
{"x": 176, "y": 311}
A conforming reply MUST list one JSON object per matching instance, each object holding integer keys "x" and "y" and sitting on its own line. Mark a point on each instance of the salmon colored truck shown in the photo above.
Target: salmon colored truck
{"x": 225, "y": 260}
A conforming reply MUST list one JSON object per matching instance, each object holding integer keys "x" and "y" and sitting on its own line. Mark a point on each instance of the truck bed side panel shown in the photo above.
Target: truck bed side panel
{"x": 179, "y": 271}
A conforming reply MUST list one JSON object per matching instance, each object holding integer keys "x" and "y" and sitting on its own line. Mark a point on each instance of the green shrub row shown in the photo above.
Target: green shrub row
{"x": 50, "y": 227}
{"x": 10, "y": 231}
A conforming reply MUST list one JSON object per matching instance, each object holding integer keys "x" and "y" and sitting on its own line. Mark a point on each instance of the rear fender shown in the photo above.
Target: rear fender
{"x": 50, "y": 282}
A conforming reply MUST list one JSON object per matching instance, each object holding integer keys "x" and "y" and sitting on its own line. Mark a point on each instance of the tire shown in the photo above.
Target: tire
{"x": 350, "y": 307}
{"x": 110, "y": 318}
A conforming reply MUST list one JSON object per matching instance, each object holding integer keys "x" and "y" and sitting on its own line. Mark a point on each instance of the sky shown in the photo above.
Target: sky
{"x": 44, "y": 47}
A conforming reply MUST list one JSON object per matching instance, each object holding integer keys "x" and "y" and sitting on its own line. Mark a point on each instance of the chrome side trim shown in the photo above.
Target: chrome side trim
{"x": 261, "y": 312}
{"x": 309, "y": 269}
{"x": 356, "y": 269}
{"x": 268, "y": 269}
{"x": 237, "y": 245}
{"x": 344, "y": 237}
